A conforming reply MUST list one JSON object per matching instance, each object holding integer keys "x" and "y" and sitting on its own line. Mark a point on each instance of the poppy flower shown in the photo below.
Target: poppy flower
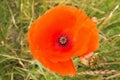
{"x": 60, "y": 34}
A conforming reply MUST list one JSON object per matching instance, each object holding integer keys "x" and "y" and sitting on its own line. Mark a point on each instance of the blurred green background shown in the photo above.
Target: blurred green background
{"x": 16, "y": 62}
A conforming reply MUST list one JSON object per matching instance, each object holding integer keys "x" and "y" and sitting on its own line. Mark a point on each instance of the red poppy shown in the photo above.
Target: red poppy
{"x": 61, "y": 34}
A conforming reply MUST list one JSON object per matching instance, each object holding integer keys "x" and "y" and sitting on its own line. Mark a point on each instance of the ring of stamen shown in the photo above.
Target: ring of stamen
{"x": 62, "y": 40}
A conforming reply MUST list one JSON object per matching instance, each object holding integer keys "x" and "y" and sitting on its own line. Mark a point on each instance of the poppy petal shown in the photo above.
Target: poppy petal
{"x": 87, "y": 32}
{"x": 94, "y": 39}
{"x": 64, "y": 68}
{"x": 93, "y": 43}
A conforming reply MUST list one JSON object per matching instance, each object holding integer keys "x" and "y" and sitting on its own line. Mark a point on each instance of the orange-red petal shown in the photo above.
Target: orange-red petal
{"x": 87, "y": 36}
{"x": 94, "y": 41}
{"x": 63, "y": 68}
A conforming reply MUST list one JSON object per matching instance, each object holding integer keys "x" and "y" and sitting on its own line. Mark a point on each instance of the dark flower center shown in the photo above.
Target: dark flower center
{"x": 63, "y": 43}
{"x": 63, "y": 40}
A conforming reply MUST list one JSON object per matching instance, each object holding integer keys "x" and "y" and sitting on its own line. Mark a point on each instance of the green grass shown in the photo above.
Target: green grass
{"x": 16, "y": 62}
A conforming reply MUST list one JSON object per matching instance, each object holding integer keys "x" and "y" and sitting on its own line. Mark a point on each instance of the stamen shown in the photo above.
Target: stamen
{"x": 63, "y": 40}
